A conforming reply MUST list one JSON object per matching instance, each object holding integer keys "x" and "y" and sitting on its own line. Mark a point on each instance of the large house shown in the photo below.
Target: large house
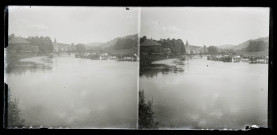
{"x": 19, "y": 44}
{"x": 166, "y": 51}
{"x": 151, "y": 47}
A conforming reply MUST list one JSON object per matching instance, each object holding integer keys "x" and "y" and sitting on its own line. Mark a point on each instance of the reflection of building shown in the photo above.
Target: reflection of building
{"x": 19, "y": 44}
{"x": 150, "y": 46}
{"x": 187, "y": 47}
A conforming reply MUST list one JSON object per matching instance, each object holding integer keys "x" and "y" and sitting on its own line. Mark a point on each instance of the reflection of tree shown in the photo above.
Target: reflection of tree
{"x": 14, "y": 114}
{"x": 146, "y": 114}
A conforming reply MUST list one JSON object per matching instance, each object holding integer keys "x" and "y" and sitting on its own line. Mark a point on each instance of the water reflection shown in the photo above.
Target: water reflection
{"x": 209, "y": 94}
{"x": 77, "y": 93}
{"x": 154, "y": 69}
{"x": 32, "y": 64}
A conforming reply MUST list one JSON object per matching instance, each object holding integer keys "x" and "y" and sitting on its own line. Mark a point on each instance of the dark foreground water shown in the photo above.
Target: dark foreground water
{"x": 208, "y": 94}
{"x": 76, "y": 93}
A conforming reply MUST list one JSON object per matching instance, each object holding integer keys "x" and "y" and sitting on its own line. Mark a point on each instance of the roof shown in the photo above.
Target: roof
{"x": 150, "y": 43}
{"x": 18, "y": 40}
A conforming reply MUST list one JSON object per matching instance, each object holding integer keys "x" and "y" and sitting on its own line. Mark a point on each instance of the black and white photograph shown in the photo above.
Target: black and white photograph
{"x": 203, "y": 68}
{"x": 146, "y": 68}
{"x": 72, "y": 67}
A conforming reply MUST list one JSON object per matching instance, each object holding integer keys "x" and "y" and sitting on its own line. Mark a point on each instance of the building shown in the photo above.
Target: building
{"x": 35, "y": 48}
{"x": 187, "y": 47}
{"x": 55, "y": 46}
{"x": 19, "y": 44}
{"x": 151, "y": 47}
{"x": 195, "y": 49}
{"x": 166, "y": 51}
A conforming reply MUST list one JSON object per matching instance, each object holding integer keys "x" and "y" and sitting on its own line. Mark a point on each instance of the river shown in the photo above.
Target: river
{"x": 76, "y": 93}
{"x": 208, "y": 94}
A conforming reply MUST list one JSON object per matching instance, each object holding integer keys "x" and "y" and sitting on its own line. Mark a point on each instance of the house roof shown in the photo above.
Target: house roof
{"x": 18, "y": 40}
{"x": 150, "y": 43}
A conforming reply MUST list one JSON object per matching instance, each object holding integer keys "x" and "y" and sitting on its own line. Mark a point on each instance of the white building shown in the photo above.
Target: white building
{"x": 187, "y": 47}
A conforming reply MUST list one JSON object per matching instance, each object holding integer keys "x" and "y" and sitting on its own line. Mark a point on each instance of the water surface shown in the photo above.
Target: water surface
{"x": 77, "y": 93}
{"x": 208, "y": 94}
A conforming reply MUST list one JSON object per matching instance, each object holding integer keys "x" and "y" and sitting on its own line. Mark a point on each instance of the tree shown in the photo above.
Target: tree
{"x": 45, "y": 43}
{"x": 146, "y": 114}
{"x": 212, "y": 49}
{"x": 11, "y": 36}
{"x": 14, "y": 114}
{"x": 81, "y": 48}
{"x": 143, "y": 39}
{"x": 256, "y": 46}
{"x": 176, "y": 46}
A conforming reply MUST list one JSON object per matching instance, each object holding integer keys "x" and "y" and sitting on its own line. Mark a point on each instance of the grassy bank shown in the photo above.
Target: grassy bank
{"x": 12, "y": 60}
{"x": 145, "y": 61}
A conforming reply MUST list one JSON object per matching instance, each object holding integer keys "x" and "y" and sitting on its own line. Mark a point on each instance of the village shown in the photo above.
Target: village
{"x": 18, "y": 46}
{"x": 150, "y": 50}
{"x": 153, "y": 50}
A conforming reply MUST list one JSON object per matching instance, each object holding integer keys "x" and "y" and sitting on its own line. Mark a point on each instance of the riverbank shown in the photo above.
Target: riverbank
{"x": 14, "y": 61}
{"x": 162, "y": 65}
{"x": 147, "y": 61}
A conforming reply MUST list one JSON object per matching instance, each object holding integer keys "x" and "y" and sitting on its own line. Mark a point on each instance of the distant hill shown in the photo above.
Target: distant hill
{"x": 226, "y": 46}
{"x": 121, "y": 42}
{"x": 243, "y": 44}
{"x": 246, "y": 43}
{"x": 94, "y": 44}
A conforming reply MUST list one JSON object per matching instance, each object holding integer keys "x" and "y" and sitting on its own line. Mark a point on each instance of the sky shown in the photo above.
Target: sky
{"x": 73, "y": 24}
{"x": 199, "y": 25}
{"x": 205, "y": 25}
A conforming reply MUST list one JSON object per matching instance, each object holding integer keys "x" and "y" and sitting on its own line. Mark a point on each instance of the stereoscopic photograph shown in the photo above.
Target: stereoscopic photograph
{"x": 204, "y": 68}
{"x": 184, "y": 68}
{"x": 72, "y": 67}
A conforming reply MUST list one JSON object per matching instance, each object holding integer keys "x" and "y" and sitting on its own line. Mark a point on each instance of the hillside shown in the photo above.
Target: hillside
{"x": 125, "y": 42}
{"x": 246, "y": 43}
{"x": 116, "y": 43}
{"x": 226, "y": 46}
{"x": 93, "y": 44}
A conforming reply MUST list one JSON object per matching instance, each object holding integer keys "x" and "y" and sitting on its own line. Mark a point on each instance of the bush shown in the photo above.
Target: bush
{"x": 146, "y": 114}
{"x": 14, "y": 114}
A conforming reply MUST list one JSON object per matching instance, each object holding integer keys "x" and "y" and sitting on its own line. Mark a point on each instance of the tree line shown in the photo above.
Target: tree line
{"x": 45, "y": 44}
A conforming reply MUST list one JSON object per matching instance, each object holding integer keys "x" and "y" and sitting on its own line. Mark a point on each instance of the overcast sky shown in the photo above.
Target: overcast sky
{"x": 198, "y": 25}
{"x": 205, "y": 26}
{"x": 73, "y": 24}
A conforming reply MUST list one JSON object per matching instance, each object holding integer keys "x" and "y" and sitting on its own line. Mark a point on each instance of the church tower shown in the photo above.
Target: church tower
{"x": 187, "y": 47}
{"x": 56, "y": 49}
